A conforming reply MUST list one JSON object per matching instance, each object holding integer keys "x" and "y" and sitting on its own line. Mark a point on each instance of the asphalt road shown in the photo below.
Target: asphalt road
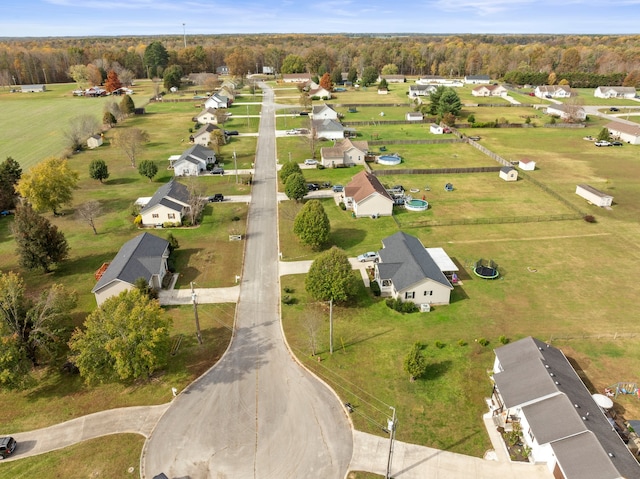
{"x": 257, "y": 413}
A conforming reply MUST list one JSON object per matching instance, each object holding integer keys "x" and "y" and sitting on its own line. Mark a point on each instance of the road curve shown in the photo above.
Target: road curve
{"x": 257, "y": 413}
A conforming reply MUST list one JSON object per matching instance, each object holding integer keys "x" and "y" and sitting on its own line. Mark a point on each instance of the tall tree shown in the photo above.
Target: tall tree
{"x": 312, "y": 224}
{"x": 113, "y": 82}
{"x": 127, "y": 106}
{"x": 39, "y": 243}
{"x": 196, "y": 200}
{"x": 155, "y": 59}
{"x": 98, "y": 170}
{"x": 148, "y": 168}
{"x": 288, "y": 168}
{"x": 449, "y": 103}
{"x": 10, "y": 173}
{"x": 295, "y": 187}
{"x": 330, "y": 277}
{"x": 415, "y": 364}
{"x": 172, "y": 77}
{"x": 88, "y": 212}
{"x": 369, "y": 76}
{"x": 130, "y": 141}
{"x": 325, "y": 82}
{"x": 49, "y": 184}
{"x": 389, "y": 69}
{"x": 293, "y": 64}
{"x": 126, "y": 338}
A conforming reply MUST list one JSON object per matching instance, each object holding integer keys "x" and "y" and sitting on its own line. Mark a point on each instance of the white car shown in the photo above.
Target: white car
{"x": 309, "y": 161}
{"x": 292, "y": 132}
{"x": 602, "y": 143}
{"x": 368, "y": 256}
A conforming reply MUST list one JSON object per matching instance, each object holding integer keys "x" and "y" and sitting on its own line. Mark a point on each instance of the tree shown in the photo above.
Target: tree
{"x": 39, "y": 327}
{"x": 98, "y": 170}
{"x": 603, "y": 135}
{"x": 88, "y": 212}
{"x": 293, "y": 64}
{"x": 172, "y": 77}
{"x": 325, "y": 82}
{"x": 389, "y": 69}
{"x": 449, "y": 103}
{"x": 130, "y": 141}
{"x": 353, "y": 75}
{"x": 155, "y": 59}
{"x": 330, "y": 277}
{"x": 238, "y": 62}
{"x": 415, "y": 364}
{"x": 143, "y": 286}
{"x": 80, "y": 128}
{"x": 49, "y": 184}
{"x": 113, "y": 83}
{"x": 39, "y": 243}
{"x": 434, "y": 99}
{"x": 109, "y": 119}
{"x": 148, "y": 168}
{"x": 383, "y": 85}
{"x": 295, "y": 187}
{"x": 196, "y": 200}
{"x": 336, "y": 76}
{"x": 127, "y": 106}
{"x": 369, "y": 76}
{"x": 312, "y": 225}
{"x": 126, "y": 338}
{"x": 289, "y": 168}
{"x": 10, "y": 173}
{"x": 80, "y": 75}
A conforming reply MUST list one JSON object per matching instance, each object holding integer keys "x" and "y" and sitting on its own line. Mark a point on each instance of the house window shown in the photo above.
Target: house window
{"x": 171, "y": 216}
{"x": 428, "y": 293}
{"x": 155, "y": 215}
{"x": 409, "y": 295}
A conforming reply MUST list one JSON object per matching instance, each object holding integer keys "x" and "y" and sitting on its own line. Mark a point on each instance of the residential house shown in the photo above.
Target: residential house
{"x": 204, "y": 135}
{"x": 144, "y": 256}
{"x": 94, "y": 141}
{"x": 392, "y": 78}
{"x": 329, "y": 129}
{"x": 222, "y": 70}
{"x": 526, "y": 164}
{"x": 407, "y": 271}
{"x": 624, "y": 132}
{"x": 366, "y": 196}
{"x": 508, "y": 173}
{"x": 489, "y": 90}
{"x": 414, "y": 116}
{"x": 32, "y": 88}
{"x": 206, "y": 116}
{"x": 216, "y": 101}
{"x": 268, "y": 70}
{"x": 567, "y": 112}
{"x": 477, "y": 79}
{"x": 615, "y": 92}
{"x": 552, "y": 91}
{"x": 296, "y": 77}
{"x": 594, "y": 196}
{"x": 193, "y": 161}
{"x": 421, "y": 90}
{"x": 323, "y": 112}
{"x": 432, "y": 80}
{"x": 169, "y": 204}
{"x": 344, "y": 153}
{"x": 536, "y": 387}
{"x": 436, "y": 129}
{"x": 319, "y": 92}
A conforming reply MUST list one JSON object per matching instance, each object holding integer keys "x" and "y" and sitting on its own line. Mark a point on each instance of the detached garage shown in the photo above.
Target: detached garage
{"x": 594, "y": 196}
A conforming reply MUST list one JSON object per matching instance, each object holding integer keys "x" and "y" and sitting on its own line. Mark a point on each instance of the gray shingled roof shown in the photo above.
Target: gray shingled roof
{"x": 140, "y": 257}
{"x": 171, "y": 190}
{"x": 405, "y": 261}
{"x": 327, "y": 125}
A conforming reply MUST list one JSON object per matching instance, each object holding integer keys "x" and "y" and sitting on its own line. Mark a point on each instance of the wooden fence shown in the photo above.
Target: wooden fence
{"x": 438, "y": 171}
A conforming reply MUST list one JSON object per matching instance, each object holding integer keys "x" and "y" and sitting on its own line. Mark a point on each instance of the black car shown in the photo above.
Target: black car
{"x": 313, "y": 186}
{"x": 7, "y": 446}
{"x": 616, "y": 143}
{"x": 304, "y": 113}
{"x": 218, "y": 197}
{"x": 231, "y": 132}
{"x": 217, "y": 171}
{"x": 613, "y": 108}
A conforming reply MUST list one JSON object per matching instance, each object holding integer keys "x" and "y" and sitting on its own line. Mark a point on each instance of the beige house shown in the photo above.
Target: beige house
{"x": 567, "y": 112}
{"x": 320, "y": 92}
{"x": 144, "y": 256}
{"x": 407, "y": 271}
{"x": 625, "y": 132}
{"x": 344, "y": 153}
{"x": 489, "y": 90}
{"x": 366, "y": 196}
{"x": 204, "y": 135}
{"x": 296, "y": 77}
{"x": 169, "y": 204}
{"x": 615, "y": 92}
{"x": 208, "y": 115}
{"x": 323, "y": 112}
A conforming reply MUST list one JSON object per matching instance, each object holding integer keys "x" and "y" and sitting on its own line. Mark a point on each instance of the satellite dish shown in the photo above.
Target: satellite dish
{"x": 603, "y": 401}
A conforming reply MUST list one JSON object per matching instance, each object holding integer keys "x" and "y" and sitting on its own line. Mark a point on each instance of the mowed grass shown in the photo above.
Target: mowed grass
{"x": 116, "y": 457}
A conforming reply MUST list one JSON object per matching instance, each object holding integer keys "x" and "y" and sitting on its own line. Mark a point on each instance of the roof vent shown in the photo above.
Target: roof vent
{"x": 584, "y": 418}
{"x": 611, "y": 454}
{"x": 551, "y": 374}
{"x": 546, "y": 366}
{"x": 576, "y": 405}
{"x": 557, "y": 383}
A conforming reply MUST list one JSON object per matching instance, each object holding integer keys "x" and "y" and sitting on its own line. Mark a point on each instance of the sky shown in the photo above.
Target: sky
{"x": 82, "y": 18}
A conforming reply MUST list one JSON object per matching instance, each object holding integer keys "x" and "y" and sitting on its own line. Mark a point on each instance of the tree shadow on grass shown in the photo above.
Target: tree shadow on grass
{"x": 83, "y": 265}
{"x": 187, "y": 272}
{"x": 347, "y": 237}
{"x": 435, "y": 370}
{"x": 120, "y": 181}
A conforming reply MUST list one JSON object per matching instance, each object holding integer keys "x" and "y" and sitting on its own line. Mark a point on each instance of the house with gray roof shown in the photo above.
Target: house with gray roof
{"x": 329, "y": 129}
{"x": 169, "y": 204}
{"x": 421, "y": 90}
{"x": 477, "y": 79}
{"x": 407, "y": 271}
{"x": 615, "y": 92}
{"x": 204, "y": 135}
{"x": 193, "y": 161}
{"x": 627, "y": 132}
{"x": 144, "y": 256}
{"x": 217, "y": 101}
{"x": 344, "y": 153}
{"x": 536, "y": 387}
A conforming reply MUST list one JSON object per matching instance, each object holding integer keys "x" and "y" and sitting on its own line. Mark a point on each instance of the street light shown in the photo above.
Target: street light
{"x": 391, "y": 424}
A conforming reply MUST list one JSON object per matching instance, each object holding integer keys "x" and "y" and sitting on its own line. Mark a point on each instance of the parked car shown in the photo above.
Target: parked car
{"x": 304, "y": 113}
{"x": 548, "y": 96}
{"x": 218, "y": 197}
{"x": 602, "y": 143}
{"x": 369, "y": 256}
{"x": 310, "y": 161}
{"x": 338, "y": 188}
{"x": 218, "y": 170}
{"x": 292, "y": 132}
{"x": 313, "y": 186}
{"x": 532, "y": 94}
{"x": 616, "y": 143}
{"x": 231, "y": 132}
{"x": 7, "y": 446}
{"x": 326, "y": 184}
{"x": 613, "y": 108}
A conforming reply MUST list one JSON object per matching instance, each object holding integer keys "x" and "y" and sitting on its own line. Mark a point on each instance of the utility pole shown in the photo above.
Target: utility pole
{"x": 184, "y": 34}
{"x": 235, "y": 165}
{"x": 248, "y": 116}
{"x": 391, "y": 424}
{"x": 331, "y": 326}
{"x": 194, "y": 298}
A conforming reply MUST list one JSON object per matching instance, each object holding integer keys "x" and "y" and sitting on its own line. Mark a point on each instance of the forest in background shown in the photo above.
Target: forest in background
{"x": 48, "y": 60}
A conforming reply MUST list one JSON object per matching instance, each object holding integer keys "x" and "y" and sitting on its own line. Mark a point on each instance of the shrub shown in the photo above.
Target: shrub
{"x": 186, "y": 222}
{"x": 287, "y": 289}
{"x": 483, "y": 342}
{"x": 343, "y": 207}
{"x": 287, "y": 299}
{"x": 320, "y": 166}
{"x": 462, "y": 342}
{"x": 439, "y": 344}
{"x": 375, "y": 288}
{"x": 471, "y": 119}
{"x": 503, "y": 339}
{"x": 590, "y": 219}
{"x": 400, "y": 306}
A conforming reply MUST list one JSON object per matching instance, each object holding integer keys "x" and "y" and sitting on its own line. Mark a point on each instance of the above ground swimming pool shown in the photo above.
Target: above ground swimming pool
{"x": 389, "y": 159}
{"x": 416, "y": 205}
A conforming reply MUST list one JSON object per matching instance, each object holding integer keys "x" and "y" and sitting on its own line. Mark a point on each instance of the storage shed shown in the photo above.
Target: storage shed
{"x": 508, "y": 173}
{"x": 436, "y": 129}
{"x": 527, "y": 164}
{"x": 594, "y": 196}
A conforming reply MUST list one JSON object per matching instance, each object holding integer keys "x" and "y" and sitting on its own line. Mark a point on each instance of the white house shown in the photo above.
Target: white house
{"x": 193, "y": 161}
{"x": 594, "y": 196}
{"x": 624, "y": 132}
{"x": 414, "y": 116}
{"x": 206, "y": 116}
{"x": 567, "y": 112}
{"x": 216, "y": 101}
{"x": 323, "y": 112}
{"x": 615, "y": 92}
{"x": 94, "y": 141}
{"x": 329, "y": 129}
{"x": 392, "y": 78}
{"x": 319, "y": 92}
{"x": 421, "y": 90}
{"x": 436, "y": 129}
{"x": 553, "y": 91}
{"x": 366, "y": 196}
{"x": 296, "y": 77}
{"x": 169, "y": 204}
{"x": 344, "y": 153}
{"x": 508, "y": 173}
{"x": 526, "y": 164}
{"x": 537, "y": 389}
{"x": 477, "y": 79}
{"x": 407, "y": 271}
{"x": 489, "y": 90}
{"x": 204, "y": 135}
{"x": 144, "y": 256}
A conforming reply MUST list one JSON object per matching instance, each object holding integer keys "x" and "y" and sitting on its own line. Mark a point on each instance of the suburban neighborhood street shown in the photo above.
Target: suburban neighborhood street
{"x": 257, "y": 413}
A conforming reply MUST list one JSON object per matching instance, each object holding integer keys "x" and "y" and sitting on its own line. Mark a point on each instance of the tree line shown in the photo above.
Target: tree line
{"x": 50, "y": 60}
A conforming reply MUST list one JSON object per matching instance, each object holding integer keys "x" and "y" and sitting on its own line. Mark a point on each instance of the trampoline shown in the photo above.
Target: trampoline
{"x": 448, "y": 187}
{"x": 486, "y": 269}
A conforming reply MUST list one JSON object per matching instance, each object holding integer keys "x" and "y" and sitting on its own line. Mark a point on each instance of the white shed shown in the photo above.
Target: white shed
{"x": 94, "y": 141}
{"x": 508, "y": 173}
{"x": 436, "y": 129}
{"x": 594, "y": 196}
{"x": 527, "y": 164}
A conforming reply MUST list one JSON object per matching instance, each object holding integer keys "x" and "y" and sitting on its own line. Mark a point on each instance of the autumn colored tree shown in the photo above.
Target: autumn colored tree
{"x": 239, "y": 62}
{"x": 49, "y": 184}
{"x": 130, "y": 141}
{"x": 113, "y": 82}
{"x": 325, "y": 82}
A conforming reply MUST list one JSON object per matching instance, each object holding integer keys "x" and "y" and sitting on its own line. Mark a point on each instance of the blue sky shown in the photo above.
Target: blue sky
{"x": 41, "y": 18}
